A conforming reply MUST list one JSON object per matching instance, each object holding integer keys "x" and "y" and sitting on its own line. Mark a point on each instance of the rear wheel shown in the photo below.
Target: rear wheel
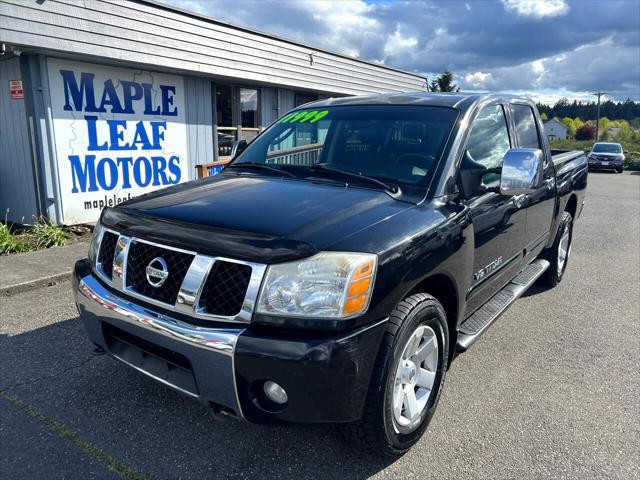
{"x": 558, "y": 254}
{"x": 408, "y": 377}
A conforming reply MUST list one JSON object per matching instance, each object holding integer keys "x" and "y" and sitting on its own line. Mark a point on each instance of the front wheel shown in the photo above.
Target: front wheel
{"x": 407, "y": 379}
{"x": 558, "y": 254}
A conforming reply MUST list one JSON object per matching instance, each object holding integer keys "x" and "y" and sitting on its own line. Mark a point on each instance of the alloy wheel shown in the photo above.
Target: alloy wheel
{"x": 564, "y": 248}
{"x": 415, "y": 377}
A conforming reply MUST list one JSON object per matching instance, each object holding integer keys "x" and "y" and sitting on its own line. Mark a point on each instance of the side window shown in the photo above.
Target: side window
{"x": 489, "y": 138}
{"x": 526, "y": 129}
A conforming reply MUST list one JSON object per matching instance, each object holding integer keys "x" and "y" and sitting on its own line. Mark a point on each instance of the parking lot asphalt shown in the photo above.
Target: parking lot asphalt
{"x": 552, "y": 390}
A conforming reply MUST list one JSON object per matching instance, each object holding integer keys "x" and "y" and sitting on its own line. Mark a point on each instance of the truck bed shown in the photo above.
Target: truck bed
{"x": 563, "y": 156}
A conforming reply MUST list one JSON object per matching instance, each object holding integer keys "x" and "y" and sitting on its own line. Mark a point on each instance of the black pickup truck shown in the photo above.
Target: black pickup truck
{"x": 333, "y": 270}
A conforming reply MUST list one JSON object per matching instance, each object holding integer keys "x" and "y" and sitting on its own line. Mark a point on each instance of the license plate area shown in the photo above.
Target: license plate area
{"x": 165, "y": 365}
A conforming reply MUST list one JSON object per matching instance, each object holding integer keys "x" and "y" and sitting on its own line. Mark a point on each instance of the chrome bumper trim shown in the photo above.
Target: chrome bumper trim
{"x": 210, "y": 350}
{"x": 217, "y": 339}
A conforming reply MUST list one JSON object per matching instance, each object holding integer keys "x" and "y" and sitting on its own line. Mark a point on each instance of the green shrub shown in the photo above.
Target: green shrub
{"x": 9, "y": 244}
{"x": 632, "y": 160}
{"x": 6, "y": 239}
{"x": 45, "y": 234}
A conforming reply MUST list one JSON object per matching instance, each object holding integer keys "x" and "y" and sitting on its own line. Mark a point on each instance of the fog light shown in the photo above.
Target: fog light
{"x": 275, "y": 392}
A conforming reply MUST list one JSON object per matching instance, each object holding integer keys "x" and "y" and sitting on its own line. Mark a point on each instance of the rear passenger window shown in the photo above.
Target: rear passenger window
{"x": 489, "y": 138}
{"x": 526, "y": 129}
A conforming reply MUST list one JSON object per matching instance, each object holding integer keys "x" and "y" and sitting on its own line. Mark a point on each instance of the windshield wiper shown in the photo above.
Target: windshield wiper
{"x": 324, "y": 168}
{"x": 260, "y": 165}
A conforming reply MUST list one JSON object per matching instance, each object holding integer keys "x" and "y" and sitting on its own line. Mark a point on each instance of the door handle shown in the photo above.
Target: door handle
{"x": 518, "y": 200}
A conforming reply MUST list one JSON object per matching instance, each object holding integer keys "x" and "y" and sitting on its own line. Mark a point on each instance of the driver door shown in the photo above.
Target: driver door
{"x": 498, "y": 220}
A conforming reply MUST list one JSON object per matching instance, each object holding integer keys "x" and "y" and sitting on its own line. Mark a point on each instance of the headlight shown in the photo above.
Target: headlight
{"x": 327, "y": 285}
{"x": 94, "y": 245}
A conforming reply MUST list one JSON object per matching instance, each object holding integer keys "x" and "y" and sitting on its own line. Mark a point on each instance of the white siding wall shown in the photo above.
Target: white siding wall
{"x": 146, "y": 33}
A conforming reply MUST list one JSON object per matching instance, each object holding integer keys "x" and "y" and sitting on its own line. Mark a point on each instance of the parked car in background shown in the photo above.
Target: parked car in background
{"x": 332, "y": 270}
{"x": 606, "y": 156}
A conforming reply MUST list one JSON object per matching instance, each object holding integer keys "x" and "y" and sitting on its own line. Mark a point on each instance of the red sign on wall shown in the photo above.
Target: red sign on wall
{"x": 16, "y": 89}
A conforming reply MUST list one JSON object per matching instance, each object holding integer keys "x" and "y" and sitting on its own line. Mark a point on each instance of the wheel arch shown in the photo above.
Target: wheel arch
{"x": 572, "y": 205}
{"x": 443, "y": 289}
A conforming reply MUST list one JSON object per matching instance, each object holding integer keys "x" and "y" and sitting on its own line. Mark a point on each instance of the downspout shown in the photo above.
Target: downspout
{"x": 48, "y": 127}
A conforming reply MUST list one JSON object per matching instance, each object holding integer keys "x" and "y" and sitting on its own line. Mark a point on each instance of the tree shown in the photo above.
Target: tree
{"x": 570, "y": 124}
{"x": 444, "y": 83}
{"x": 586, "y": 132}
{"x": 625, "y": 132}
{"x": 627, "y": 110}
{"x": 543, "y": 116}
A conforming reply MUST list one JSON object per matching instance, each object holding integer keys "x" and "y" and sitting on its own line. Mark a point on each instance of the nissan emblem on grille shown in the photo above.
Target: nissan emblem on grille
{"x": 157, "y": 272}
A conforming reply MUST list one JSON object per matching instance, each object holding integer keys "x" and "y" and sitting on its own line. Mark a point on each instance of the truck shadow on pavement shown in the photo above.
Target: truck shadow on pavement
{"x": 153, "y": 430}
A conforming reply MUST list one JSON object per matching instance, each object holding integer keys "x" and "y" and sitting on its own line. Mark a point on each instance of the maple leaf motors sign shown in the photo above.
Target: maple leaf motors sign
{"x": 118, "y": 132}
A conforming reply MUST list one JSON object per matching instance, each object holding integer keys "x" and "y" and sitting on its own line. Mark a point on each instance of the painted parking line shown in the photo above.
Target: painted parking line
{"x": 62, "y": 431}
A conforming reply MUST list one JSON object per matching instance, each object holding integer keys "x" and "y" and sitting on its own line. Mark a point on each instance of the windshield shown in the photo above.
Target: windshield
{"x": 607, "y": 148}
{"x": 395, "y": 144}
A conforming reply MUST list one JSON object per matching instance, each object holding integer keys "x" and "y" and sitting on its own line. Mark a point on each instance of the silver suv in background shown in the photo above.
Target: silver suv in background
{"x": 606, "y": 156}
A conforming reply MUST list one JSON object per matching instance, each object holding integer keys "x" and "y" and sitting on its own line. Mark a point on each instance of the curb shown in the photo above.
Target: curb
{"x": 34, "y": 284}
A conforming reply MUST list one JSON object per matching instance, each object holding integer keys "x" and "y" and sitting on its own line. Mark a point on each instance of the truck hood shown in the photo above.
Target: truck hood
{"x": 253, "y": 217}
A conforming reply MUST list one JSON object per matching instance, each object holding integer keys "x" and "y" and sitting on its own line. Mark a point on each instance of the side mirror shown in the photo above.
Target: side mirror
{"x": 238, "y": 147}
{"x": 521, "y": 171}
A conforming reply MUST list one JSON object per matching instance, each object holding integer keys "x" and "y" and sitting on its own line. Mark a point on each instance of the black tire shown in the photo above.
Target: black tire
{"x": 619, "y": 170}
{"x": 377, "y": 429}
{"x": 553, "y": 275}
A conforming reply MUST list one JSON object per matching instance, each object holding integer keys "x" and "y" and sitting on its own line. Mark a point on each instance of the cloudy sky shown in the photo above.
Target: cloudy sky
{"x": 546, "y": 48}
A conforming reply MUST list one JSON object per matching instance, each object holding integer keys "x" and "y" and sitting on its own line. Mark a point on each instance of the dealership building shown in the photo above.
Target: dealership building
{"x": 104, "y": 100}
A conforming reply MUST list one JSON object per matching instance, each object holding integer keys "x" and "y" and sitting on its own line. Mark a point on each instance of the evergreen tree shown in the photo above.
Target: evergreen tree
{"x": 627, "y": 110}
{"x": 444, "y": 83}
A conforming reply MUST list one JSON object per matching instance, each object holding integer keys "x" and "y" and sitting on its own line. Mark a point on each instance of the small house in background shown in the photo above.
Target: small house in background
{"x": 555, "y": 130}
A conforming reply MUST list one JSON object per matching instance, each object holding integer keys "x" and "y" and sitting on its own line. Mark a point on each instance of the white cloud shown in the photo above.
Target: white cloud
{"x": 596, "y": 50}
{"x": 397, "y": 44}
{"x": 539, "y": 70}
{"x": 467, "y": 6}
{"x": 537, "y": 8}
{"x": 478, "y": 80}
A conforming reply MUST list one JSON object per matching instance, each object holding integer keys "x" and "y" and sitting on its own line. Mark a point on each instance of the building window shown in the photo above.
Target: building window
{"x": 237, "y": 116}
{"x": 224, "y": 106}
{"x": 301, "y": 98}
{"x": 226, "y": 123}
{"x": 249, "y": 107}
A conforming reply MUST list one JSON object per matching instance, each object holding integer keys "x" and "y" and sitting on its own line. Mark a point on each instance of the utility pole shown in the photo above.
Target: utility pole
{"x": 598, "y": 94}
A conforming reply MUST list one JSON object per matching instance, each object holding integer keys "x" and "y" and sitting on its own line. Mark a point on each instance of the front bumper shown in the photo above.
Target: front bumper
{"x": 605, "y": 165}
{"x": 326, "y": 377}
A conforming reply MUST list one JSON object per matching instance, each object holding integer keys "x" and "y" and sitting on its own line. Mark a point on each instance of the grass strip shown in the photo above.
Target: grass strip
{"x": 86, "y": 447}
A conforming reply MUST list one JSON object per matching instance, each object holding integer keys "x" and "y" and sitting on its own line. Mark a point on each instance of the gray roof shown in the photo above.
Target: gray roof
{"x": 553, "y": 120}
{"x": 166, "y": 6}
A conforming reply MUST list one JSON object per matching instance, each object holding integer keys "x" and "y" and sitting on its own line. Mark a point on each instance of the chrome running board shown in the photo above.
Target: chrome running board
{"x": 476, "y": 324}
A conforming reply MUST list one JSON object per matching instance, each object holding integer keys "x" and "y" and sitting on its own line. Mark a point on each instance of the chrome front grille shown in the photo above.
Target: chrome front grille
{"x": 107, "y": 251}
{"x": 201, "y": 286}
{"x": 225, "y": 288}
{"x": 142, "y": 254}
